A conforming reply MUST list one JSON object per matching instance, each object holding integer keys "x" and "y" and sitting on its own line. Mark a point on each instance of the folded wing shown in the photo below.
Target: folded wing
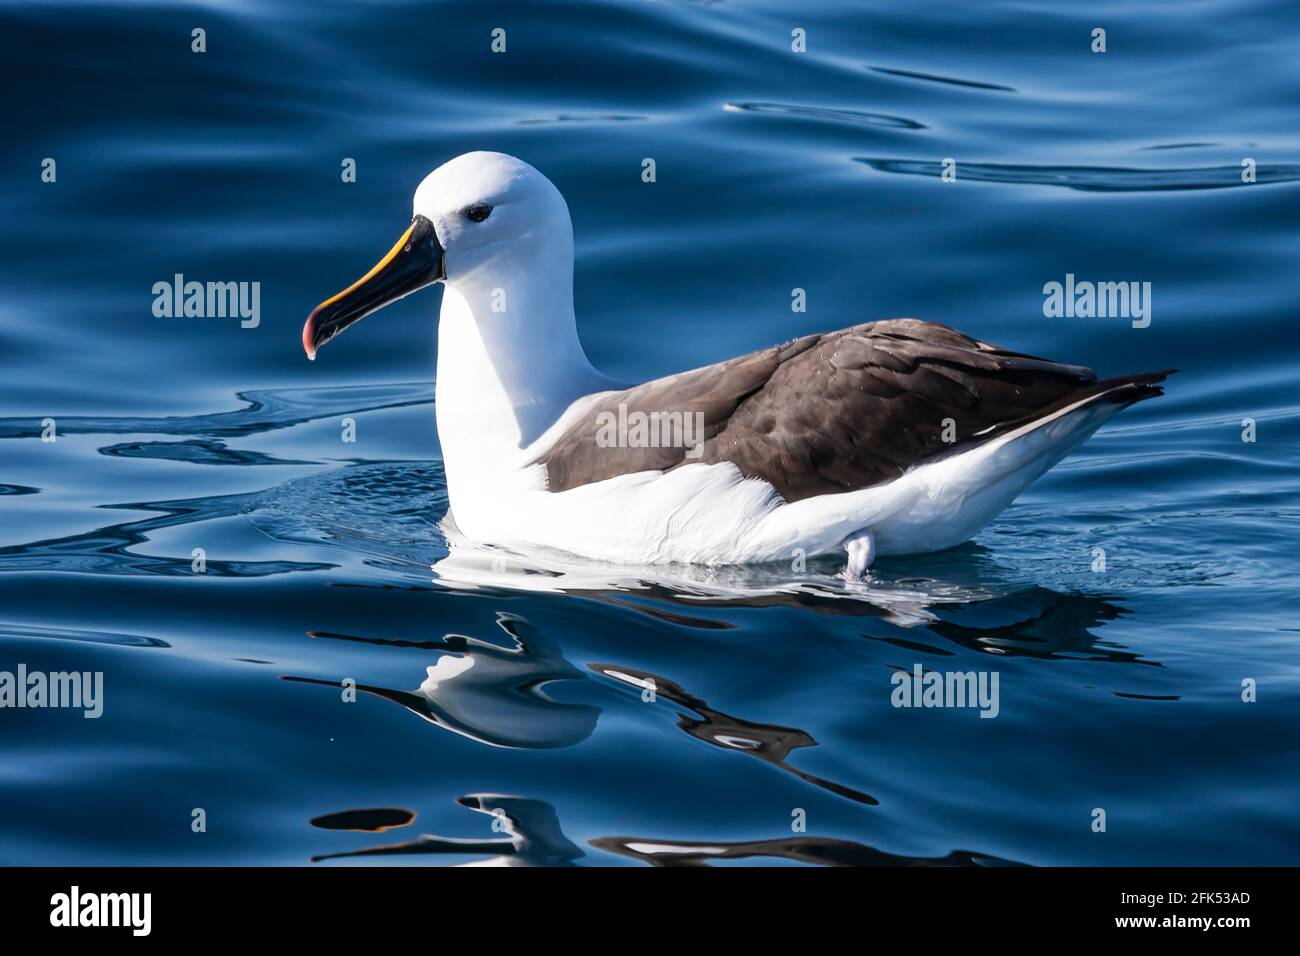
{"x": 832, "y": 412}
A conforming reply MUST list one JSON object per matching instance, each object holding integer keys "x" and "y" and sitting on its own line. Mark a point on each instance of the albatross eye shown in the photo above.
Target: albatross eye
{"x": 478, "y": 213}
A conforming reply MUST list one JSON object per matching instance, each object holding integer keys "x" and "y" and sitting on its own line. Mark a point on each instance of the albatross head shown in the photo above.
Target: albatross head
{"x": 486, "y": 224}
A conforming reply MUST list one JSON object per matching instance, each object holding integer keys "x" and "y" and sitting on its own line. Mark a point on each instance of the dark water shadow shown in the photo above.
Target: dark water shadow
{"x": 373, "y": 820}
{"x": 820, "y": 851}
{"x": 532, "y": 836}
{"x": 195, "y": 452}
{"x": 1034, "y": 622}
{"x": 770, "y": 743}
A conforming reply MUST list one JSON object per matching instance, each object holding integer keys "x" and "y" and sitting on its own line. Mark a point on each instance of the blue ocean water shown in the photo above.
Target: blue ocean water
{"x": 1123, "y": 600}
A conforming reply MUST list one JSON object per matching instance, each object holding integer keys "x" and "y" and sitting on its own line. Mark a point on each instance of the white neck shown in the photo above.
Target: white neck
{"x": 506, "y": 376}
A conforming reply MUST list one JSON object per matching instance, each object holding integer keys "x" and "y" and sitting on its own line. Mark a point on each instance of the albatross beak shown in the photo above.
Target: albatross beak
{"x": 415, "y": 262}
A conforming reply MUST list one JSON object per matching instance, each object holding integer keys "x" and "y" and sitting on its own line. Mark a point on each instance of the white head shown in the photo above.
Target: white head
{"x": 488, "y": 225}
{"x": 494, "y": 215}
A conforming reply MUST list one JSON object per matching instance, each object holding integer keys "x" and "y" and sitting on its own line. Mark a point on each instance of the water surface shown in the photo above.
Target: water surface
{"x": 500, "y": 712}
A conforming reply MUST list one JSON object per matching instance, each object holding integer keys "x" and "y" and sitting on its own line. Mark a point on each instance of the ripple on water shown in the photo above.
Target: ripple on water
{"x": 29, "y": 632}
{"x": 945, "y": 80}
{"x": 827, "y": 114}
{"x": 1092, "y": 178}
{"x": 265, "y": 410}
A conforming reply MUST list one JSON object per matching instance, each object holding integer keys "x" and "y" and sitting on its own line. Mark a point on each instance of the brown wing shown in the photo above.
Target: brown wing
{"x": 837, "y": 411}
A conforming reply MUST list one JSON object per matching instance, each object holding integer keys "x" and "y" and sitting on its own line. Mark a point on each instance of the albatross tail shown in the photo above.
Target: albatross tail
{"x": 1124, "y": 390}
{"x": 958, "y": 494}
{"x": 941, "y": 502}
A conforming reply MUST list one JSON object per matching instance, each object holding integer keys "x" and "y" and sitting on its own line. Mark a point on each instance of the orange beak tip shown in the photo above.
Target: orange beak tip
{"x": 307, "y": 330}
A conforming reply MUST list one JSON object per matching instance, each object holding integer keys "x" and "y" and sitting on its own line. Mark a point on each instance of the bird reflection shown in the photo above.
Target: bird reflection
{"x": 768, "y": 742}
{"x": 957, "y": 597}
{"x": 475, "y": 567}
{"x": 1035, "y": 622}
{"x": 532, "y": 836}
{"x": 487, "y": 692}
{"x": 803, "y": 849}
{"x": 1030, "y": 622}
{"x": 493, "y": 694}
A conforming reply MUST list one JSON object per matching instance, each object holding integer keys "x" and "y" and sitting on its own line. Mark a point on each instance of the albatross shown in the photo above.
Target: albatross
{"x": 891, "y": 437}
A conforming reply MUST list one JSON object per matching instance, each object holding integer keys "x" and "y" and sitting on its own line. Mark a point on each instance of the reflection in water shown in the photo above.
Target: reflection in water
{"x": 1034, "y": 622}
{"x": 374, "y": 820}
{"x": 768, "y": 742}
{"x": 489, "y": 693}
{"x": 494, "y": 695}
{"x": 532, "y": 836}
{"x": 474, "y": 567}
{"x": 1031, "y": 622}
{"x": 957, "y": 601}
{"x": 804, "y": 849}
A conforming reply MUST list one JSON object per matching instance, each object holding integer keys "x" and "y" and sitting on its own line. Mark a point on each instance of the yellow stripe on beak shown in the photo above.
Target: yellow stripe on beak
{"x": 415, "y": 261}
{"x": 378, "y": 267}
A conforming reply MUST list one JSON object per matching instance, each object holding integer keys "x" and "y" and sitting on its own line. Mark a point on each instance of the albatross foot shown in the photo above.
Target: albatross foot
{"x": 861, "y": 548}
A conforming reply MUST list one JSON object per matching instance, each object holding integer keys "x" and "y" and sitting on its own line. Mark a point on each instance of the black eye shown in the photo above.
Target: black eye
{"x": 478, "y": 213}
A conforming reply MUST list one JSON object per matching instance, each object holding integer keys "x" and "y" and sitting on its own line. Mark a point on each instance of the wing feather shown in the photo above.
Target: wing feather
{"x": 838, "y": 411}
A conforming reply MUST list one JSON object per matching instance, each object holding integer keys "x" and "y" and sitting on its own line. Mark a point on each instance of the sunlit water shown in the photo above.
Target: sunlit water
{"x": 501, "y": 711}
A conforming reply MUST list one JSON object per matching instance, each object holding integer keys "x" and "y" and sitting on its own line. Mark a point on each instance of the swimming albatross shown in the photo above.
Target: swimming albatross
{"x": 892, "y": 437}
